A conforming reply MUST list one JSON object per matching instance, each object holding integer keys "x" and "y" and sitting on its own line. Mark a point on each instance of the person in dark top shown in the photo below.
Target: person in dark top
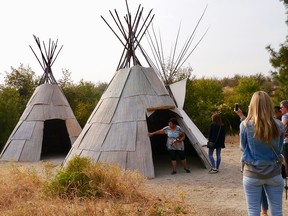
{"x": 277, "y": 112}
{"x": 217, "y": 136}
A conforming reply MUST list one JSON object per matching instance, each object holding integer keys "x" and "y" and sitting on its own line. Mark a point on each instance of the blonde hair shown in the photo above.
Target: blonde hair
{"x": 261, "y": 114}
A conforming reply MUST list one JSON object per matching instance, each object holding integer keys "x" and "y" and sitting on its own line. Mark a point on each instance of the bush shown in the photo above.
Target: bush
{"x": 71, "y": 181}
{"x": 82, "y": 178}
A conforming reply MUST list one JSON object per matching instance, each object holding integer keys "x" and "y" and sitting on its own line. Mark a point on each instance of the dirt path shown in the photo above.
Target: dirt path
{"x": 218, "y": 194}
{"x": 210, "y": 194}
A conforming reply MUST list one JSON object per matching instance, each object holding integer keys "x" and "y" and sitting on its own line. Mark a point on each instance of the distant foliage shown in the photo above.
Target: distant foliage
{"x": 279, "y": 61}
{"x": 23, "y": 79}
{"x": 83, "y": 98}
{"x": 10, "y": 111}
{"x": 241, "y": 94}
{"x": 169, "y": 75}
{"x": 15, "y": 93}
{"x": 207, "y": 96}
{"x": 203, "y": 97}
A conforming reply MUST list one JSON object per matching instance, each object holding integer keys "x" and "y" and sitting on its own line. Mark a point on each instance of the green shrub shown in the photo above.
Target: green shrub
{"x": 71, "y": 181}
{"x": 82, "y": 178}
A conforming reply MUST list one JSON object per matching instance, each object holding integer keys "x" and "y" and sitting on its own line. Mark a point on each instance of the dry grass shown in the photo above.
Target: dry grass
{"x": 234, "y": 140}
{"x": 24, "y": 192}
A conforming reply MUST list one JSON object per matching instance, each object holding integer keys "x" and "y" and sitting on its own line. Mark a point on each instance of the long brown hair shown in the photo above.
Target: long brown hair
{"x": 261, "y": 114}
{"x": 217, "y": 119}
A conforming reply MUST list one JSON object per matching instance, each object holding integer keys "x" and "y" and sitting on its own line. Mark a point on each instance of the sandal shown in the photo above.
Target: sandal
{"x": 173, "y": 172}
{"x": 187, "y": 170}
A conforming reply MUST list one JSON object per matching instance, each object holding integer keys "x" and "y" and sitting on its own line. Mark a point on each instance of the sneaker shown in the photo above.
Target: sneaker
{"x": 173, "y": 172}
{"x": 213, "y": 171}
{"x": 187, "y": 170}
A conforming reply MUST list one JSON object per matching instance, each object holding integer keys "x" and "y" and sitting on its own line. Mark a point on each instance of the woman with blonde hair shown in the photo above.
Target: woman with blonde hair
{"x": 261, "y": 140}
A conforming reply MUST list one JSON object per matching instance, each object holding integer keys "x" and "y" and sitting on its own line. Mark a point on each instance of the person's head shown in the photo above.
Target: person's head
{"x": 277, "y": 112}
{"x": 217, "y": 119}
{"x": 284, "y": 106}
{"x": 260, "y": 112}
{"x": 172, "y": 122}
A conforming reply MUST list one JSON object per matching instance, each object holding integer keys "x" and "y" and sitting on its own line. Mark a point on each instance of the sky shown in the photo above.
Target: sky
{"x": 238, "y": 32}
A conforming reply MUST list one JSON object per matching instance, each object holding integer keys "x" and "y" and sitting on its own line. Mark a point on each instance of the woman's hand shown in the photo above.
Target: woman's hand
{"x": 239, "y": 113}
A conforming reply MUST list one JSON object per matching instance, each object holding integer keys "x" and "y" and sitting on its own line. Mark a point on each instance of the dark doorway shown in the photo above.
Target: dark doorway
{"x": 158, "y": 120}
{"x": 56, "y": 141}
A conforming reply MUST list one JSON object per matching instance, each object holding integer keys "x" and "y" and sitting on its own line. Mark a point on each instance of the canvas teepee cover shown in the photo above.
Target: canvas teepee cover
{"x": 48, "y": 125}
{"x": 117, "y": 130}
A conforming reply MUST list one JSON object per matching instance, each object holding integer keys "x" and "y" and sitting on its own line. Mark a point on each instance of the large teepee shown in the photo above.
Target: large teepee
{"x": 135, "y": 102}
{"x": 48, "y": 126}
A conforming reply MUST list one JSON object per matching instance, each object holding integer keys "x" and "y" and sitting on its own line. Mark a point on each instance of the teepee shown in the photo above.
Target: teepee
{"x": 135, "y": 102}
{"x": 48, "y": 126}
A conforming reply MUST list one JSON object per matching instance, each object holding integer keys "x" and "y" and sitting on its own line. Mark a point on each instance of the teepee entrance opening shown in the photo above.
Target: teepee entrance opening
{"x": 56, "y": 139}
{"x": 158, "y": 120}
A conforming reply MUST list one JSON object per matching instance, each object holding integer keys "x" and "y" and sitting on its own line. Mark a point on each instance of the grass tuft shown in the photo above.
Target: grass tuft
{"x": 81, "y": 188}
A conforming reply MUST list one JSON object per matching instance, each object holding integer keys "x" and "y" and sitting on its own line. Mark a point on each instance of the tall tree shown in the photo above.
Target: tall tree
{"x": 279, "y": 60}
{"x": 24, "y": 80}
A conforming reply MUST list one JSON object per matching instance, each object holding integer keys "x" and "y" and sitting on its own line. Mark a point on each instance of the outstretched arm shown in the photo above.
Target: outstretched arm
{"x": 161, "y": 131}
{"x": 240, "y": 114}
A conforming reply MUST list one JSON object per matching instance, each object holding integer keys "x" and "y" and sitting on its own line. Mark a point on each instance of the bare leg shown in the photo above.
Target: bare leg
{"x": 184, "y": 164}
{"x": 174, "y": 165}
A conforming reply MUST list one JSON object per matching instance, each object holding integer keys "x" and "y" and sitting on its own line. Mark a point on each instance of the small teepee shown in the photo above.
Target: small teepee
{"x": 48, "y": 126}
{"x": 135, "y": 102}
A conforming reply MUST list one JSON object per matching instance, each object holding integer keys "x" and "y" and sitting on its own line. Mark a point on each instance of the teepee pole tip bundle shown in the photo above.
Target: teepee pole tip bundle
{"x": 131, "y": 36}
{"x": 48, "y": 58}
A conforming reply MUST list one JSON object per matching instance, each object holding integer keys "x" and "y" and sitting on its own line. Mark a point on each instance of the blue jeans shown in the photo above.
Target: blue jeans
{"x": 218, "y": 157}
{"x": 253, "y": 190}
{"x": 264, "y": 201}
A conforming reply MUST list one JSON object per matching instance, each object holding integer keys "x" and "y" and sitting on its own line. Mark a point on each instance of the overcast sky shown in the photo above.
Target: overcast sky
{"x": 235, "y": 43}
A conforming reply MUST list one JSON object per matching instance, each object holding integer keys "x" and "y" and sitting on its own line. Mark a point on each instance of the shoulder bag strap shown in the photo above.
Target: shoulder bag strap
{"x": 278, "y": 158}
